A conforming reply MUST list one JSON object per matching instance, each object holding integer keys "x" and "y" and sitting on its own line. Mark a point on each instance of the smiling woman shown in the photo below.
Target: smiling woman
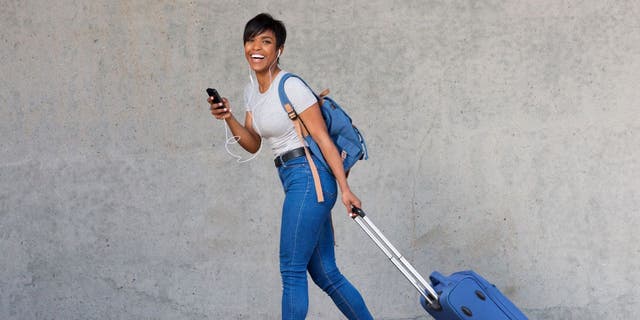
{"x": 306, "y": 233}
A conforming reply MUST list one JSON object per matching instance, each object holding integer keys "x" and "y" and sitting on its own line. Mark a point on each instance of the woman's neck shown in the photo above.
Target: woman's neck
{"x": 265, "y": 78}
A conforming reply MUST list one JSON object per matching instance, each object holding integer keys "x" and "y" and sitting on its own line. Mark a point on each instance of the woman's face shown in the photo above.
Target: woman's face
{"x": 261, "y": 52}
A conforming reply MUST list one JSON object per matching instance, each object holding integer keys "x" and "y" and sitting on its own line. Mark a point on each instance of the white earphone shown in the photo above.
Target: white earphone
{"x": 279, "y": 51}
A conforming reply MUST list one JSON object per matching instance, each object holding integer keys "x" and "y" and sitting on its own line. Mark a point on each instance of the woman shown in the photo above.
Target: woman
{"x": 306, "y": 234}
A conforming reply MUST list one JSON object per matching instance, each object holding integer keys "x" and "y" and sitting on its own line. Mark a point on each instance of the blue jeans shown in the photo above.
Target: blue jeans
{"x": 307, "y": 244}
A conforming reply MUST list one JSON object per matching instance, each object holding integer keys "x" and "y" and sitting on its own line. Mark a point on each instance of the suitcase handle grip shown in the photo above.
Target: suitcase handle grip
{"x": 358, "y": 211}
{"x": 396, "y": 258}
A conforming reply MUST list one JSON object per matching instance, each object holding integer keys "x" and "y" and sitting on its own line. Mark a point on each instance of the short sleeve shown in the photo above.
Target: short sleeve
{"x": 299, "y": 94}
{"x": 247, "y": 97}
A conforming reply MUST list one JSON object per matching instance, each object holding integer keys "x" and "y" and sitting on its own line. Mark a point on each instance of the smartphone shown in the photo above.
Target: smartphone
{"x": 216, "y": 97}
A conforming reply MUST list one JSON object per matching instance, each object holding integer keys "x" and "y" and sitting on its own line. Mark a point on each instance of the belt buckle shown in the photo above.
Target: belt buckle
{"x": 286, "y": 156}
{"x": 279, "y": 161}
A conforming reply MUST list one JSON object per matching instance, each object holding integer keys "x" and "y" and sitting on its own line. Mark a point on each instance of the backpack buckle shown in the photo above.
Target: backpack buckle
{"x": 291, "y": 112}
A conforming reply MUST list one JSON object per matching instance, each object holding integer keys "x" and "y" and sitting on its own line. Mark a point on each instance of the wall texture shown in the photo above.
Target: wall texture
{"x": 504, "y": 137}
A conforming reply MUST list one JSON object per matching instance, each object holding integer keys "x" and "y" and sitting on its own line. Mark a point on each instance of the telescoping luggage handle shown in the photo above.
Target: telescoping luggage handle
{"x": 396, "y": 258}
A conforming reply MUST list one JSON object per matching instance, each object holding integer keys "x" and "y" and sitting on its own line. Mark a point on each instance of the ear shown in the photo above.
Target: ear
{"x": 280, "y": 51}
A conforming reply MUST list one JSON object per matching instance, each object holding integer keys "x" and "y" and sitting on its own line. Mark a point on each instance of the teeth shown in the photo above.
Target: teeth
{"x": 257, "y": 56}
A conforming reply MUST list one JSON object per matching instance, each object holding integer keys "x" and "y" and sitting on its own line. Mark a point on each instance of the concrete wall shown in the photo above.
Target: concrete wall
{"x": 504, "y": 137}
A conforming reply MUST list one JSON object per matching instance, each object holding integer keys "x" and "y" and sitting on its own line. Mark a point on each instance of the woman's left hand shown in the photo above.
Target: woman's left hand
{"x": 350, "y": 200}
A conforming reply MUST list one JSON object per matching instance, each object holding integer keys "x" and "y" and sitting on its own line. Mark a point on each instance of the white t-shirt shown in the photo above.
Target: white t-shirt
{"x": 269, "y": 117}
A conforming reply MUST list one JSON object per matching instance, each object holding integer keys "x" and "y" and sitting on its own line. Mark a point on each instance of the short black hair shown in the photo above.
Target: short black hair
{"x": 262, "y": 23}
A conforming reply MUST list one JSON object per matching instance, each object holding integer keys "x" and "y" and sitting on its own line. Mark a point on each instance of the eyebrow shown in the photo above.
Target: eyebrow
{"x": 263, "y": 37}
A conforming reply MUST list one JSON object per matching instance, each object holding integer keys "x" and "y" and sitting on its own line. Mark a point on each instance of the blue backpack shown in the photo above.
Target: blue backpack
{"x": 344, "y": 134}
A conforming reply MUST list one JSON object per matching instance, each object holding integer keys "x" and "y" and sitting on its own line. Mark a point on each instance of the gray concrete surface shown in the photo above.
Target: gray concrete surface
{"x": 504, "y": 137}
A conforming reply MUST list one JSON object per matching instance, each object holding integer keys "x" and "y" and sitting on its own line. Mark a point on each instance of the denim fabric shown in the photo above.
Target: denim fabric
{"x": 307, "y": 244}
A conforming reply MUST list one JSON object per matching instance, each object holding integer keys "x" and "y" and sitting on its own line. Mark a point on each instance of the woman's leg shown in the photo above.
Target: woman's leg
{"x": 302, "y": 219}
{"x": 324, "y": 272}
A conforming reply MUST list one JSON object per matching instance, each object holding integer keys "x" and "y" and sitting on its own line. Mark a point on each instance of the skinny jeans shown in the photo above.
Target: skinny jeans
{"x": 307, "y": 244}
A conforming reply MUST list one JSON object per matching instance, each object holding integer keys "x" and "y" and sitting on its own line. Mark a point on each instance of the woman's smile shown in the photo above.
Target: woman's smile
{"x": 256, "y": 58}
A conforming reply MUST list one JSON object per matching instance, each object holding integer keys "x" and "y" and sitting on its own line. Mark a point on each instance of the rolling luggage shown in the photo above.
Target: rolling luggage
{"x": 462, "y": 295}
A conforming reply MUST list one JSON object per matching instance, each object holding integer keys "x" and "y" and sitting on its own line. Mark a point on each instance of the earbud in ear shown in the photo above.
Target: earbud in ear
{"x": 279, "y": 51}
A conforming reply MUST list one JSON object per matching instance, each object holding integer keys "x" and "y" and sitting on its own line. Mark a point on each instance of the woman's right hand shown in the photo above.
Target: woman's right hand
{"x": 220, "y": 110}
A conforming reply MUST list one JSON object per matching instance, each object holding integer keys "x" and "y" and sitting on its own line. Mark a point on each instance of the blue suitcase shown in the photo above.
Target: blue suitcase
{"x": 462, "y": 295}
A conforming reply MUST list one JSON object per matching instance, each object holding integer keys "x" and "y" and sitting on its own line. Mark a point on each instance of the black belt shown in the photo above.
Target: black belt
{"x": 291, "y": 154}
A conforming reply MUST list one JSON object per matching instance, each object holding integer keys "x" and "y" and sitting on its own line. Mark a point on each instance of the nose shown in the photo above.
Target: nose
{"x": 256, "y": 45}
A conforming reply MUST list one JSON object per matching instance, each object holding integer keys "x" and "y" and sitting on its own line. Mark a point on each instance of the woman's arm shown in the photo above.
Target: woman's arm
{"x": 314, "y": 123}
{"x": 248, "y": 138}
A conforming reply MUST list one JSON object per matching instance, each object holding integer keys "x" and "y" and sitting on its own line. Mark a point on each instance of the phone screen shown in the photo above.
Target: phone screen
{"x": 216, "y": 97}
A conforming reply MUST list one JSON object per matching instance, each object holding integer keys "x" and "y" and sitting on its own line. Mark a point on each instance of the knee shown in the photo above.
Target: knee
{"x": 293, "y": 275}
{"x": 328, "y": 281}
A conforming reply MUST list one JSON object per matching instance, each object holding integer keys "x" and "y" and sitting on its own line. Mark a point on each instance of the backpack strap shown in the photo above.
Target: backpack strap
{"x": 293, "y": 115}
